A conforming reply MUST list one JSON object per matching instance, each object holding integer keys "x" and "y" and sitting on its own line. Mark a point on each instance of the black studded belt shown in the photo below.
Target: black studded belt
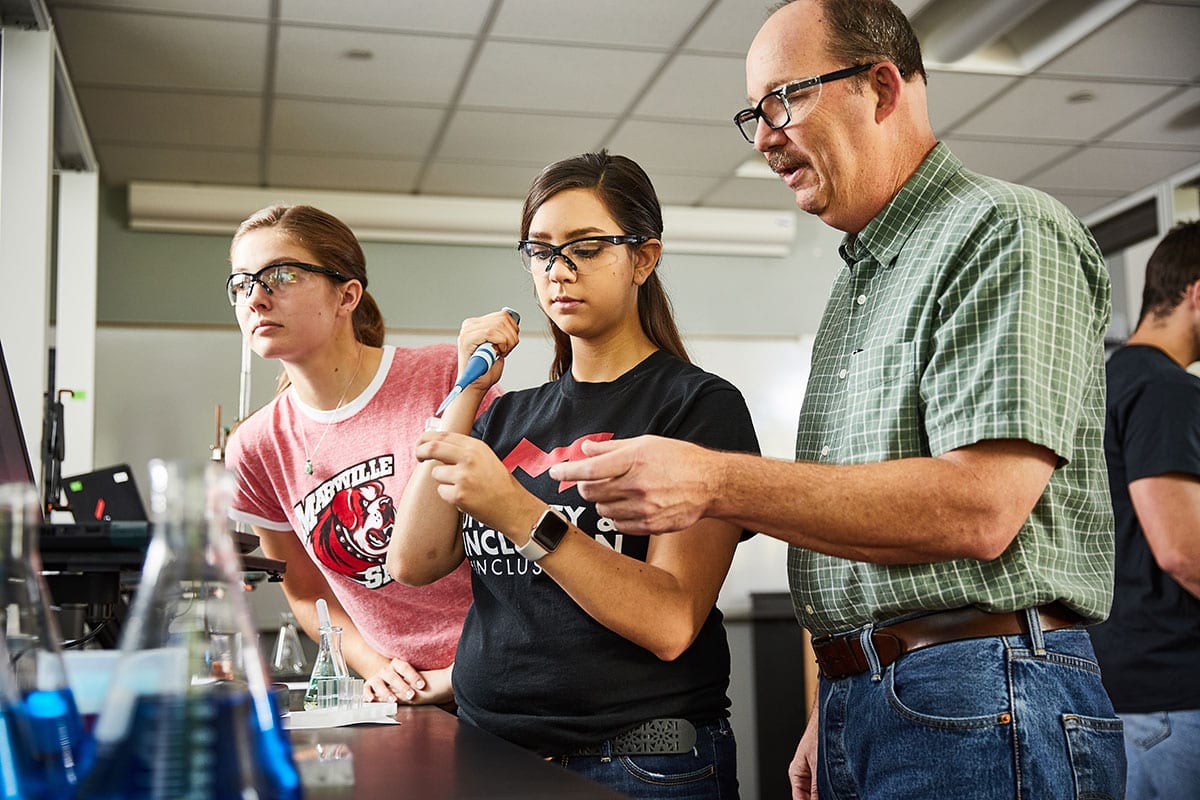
{"x": 667, "y": 736}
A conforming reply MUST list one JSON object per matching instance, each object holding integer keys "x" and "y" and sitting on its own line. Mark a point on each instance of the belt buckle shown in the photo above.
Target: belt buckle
{"x": 837, "y": 657}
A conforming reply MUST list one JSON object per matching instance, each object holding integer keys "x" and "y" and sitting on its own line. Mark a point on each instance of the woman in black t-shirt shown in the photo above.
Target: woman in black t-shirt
{"x": 600, "y": 649}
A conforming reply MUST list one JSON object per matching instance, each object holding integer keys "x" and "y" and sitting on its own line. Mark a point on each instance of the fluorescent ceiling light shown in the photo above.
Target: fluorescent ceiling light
{"x": 374, "y": 216}
{"x": 1007, "y": 36}
{"x": 756, "y": 167}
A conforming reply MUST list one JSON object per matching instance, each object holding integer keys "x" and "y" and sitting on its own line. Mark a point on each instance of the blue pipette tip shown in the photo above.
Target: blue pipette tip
{"x": 449, "y": 399}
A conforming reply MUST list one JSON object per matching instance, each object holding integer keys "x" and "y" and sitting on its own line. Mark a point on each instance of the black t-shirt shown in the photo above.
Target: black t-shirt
{"x": 1149, "y": 648}
{"x": 532, "y": 666}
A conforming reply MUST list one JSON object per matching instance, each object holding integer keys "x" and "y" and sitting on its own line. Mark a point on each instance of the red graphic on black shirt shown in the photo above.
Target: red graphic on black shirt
{"x": 534, "y": 460}
{"x": 352, "y": 532}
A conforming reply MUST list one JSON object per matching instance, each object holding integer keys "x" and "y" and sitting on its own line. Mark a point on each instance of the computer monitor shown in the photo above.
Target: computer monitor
{"x": 15, "y": 466}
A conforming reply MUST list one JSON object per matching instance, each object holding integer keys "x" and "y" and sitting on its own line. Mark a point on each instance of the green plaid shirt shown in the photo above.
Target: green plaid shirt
{"x": 970, "y": 309}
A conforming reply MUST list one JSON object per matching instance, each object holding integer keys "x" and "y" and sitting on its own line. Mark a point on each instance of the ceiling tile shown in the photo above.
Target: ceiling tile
{"x": 681, "y": 190}
{"x": 1038, "y": 108}
{"x": 623, "y": 23}
{"x": 535, "y": 139}
{"x": 250, "y": 9}
{"x": 729, "y": 28}
{"x": 1111, "y": 169}
{"x": 443, "y": 16}
{"x": 338, "y": 172}
{"x": 347, "y": 128}
{"x": 120, "y": 164}
{"x": 1081, "y": 205}
{"x": 116, "y": 48}
{"x": 313, "y": 63}
{"x": 558, "y": 78}
{"x": 479, "y": 180}
{"x": 697, "y": 87}
{"x": 952, "y": 95}
{"x": 1008, "y": 161}
{"x": 1150, "y": 40}
{"x": 1175, "y": 121}
{"x": 696, "y": 149}
{"x": 752, "y": 193}
{"x": 171, "y": 117}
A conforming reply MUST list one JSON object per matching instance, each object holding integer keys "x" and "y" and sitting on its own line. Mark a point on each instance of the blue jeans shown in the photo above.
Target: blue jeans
{"x": 1164, "y": 755}
{"x": 1002, "y": 717}
{"x": 708, "y": 772}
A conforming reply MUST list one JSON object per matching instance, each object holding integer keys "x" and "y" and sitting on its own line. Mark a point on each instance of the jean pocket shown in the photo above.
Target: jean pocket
{"x": 953, "y": 685}
{"x": 671, "y": 770}
{"x": 1096, "y": 749}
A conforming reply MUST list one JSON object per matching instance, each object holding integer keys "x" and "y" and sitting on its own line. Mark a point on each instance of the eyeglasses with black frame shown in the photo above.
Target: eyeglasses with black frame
{"x": 583, "y": 255}
{"x": 273, "y": 278}
{"x": 790, "y": 103}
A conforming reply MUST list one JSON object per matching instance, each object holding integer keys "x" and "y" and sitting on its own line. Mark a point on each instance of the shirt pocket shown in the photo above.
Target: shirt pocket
{"x": 883, "y": 408}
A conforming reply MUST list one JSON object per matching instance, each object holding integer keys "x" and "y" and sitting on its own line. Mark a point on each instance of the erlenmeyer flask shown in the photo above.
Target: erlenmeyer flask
{"x": 42, "y": 729}
{"x": 189, "y": 712}
{"x": 330, "y": 664}
{"x": 289, "y": 658}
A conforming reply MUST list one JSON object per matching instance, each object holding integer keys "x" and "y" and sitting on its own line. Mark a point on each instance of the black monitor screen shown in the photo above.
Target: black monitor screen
{"x": 14, "y": 456}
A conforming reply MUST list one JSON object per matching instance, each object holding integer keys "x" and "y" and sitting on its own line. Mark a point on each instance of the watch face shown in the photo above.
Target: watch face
{"x": 550, "y": 530}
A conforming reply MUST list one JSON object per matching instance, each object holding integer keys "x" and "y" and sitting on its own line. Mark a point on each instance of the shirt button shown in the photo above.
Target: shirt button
{"x": 808, "y": 609}
{"x": 825, "y": 450}
{"x": 862, "y": 298}
{"x": 843, "y": 374}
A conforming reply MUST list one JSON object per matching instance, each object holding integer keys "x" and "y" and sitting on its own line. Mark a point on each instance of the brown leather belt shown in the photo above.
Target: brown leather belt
{"x": 841, "y": 655}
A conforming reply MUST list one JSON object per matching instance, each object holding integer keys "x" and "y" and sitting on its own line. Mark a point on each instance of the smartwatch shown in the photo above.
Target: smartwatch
{"x": 550, "y": 529}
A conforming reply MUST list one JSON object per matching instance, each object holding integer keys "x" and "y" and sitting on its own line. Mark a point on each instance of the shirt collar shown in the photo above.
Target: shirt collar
{"x": 885, "y": 235}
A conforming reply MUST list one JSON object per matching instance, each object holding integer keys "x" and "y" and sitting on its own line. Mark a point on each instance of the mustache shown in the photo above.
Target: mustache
{"x": 783, "y": 162}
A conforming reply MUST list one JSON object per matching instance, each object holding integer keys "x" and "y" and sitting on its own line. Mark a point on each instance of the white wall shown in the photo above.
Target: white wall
{"x": 157, "y": 388}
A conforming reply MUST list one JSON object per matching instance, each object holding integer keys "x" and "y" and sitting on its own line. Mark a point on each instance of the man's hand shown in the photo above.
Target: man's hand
{"x": 645, "y": 485}
{"x": 400, "y": 681}
{"x": 802, "y": 772}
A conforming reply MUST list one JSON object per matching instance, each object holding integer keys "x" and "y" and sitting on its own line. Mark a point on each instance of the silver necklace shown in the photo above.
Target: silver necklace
{"x": 308, "y": 456}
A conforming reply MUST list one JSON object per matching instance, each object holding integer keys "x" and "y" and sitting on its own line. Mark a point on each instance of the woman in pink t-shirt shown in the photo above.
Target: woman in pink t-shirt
{"x": 320, "y": 467}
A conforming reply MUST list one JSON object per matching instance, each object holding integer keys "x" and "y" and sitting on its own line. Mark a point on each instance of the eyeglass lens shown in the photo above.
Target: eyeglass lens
{"x": 779, "y": 109}
{"x": 584, "y": 255}
{"x": 271, "y": 279}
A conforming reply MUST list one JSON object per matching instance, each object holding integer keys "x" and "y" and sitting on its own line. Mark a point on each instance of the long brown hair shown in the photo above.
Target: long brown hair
{"x": 335, "y": 246}
{"x": 629, "y": 196}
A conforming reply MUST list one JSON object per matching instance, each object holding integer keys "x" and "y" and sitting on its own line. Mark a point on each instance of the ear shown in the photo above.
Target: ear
{"x": 646, "y": 260}
{"x": 1191, "y": 294}
{"x": 888, "y": 86}
{"x": 349, "y": 295}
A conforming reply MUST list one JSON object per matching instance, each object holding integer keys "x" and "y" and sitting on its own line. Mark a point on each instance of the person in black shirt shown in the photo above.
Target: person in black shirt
{"x": 1149, "y": 648}
{"x": 598, "y": 648}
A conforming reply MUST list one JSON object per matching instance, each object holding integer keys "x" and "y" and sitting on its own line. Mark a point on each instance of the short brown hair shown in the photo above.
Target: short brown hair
{"x": 1173, "y": 266}
{"x": 870, "y": 31}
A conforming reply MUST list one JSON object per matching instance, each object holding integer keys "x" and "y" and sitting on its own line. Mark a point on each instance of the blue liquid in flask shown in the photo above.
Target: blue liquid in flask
{"x": 17, "y": 780}
{"x": 59, "y": 746}
{"x": 202, "y": 746}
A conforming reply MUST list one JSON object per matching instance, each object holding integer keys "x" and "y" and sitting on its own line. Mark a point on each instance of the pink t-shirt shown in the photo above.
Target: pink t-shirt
{"x": 344, "y": 511}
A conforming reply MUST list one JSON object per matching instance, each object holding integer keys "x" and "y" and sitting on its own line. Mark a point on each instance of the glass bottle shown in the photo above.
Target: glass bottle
{"x": 329, "y": 666}
{"x": 189, "y": 712}
{"x": 44, "y": 751}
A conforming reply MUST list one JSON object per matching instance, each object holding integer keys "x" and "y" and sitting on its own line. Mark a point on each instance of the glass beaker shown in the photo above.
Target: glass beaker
{"x": 189, "y": 712}
{"x": 44, "y": 752}
{"x": 288, "y": 658}
{"x": 330, "y": 665}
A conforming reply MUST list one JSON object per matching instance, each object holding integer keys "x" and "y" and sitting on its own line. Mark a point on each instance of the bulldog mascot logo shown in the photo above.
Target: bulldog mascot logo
{"x": 352, "y": 532}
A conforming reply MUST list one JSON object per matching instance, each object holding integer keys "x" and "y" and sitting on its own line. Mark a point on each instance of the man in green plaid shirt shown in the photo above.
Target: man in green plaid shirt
{"x": 948, "y": 513}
